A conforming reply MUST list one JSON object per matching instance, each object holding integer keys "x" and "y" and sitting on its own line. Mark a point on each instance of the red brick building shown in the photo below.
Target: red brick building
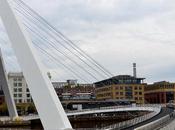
{"x": 160, "y": 92}
{"x": 74, "y": 91}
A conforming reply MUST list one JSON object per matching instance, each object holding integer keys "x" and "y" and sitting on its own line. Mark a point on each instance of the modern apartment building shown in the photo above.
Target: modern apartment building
{"x": 121, "y": 87}
{"x": 19, "y": 88}
{"x": 160, "y": 92}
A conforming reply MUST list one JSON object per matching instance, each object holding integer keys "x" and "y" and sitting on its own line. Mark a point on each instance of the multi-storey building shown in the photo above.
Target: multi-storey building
{"x": 121, "y": 87}
{"x": 74, "y": 91}
{"x": 19, "y": 88}
{"x": 69, "y": 90}
{"x": 79, "y": 92}
{"x": 160, "y": 92}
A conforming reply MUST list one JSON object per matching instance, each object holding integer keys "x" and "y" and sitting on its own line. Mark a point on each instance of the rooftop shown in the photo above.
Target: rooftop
{"x": 120, "y": 79}
{"x": 15, "y": 74}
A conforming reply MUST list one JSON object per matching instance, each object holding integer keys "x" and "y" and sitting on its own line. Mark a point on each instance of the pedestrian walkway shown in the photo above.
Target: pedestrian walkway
{"x": 170, "y": 125}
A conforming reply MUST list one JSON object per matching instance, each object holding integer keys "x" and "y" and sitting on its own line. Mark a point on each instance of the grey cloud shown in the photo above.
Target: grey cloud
{"x": 117, "y": 33}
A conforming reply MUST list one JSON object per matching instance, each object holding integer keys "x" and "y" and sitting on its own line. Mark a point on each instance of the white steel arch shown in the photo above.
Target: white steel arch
{"x": 49, "y": 108}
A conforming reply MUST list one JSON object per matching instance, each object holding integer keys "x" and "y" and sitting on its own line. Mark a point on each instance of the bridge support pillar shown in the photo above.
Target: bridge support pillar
{"x": 7, "y": 91}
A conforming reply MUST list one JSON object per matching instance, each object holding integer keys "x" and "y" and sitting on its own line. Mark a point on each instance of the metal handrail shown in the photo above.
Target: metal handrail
{"x": 134, "y": 121}
{"x": 115, "y": 107}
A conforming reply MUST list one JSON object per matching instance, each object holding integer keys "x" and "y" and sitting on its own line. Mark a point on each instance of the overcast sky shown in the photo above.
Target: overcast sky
{"x": 118, "y": 32}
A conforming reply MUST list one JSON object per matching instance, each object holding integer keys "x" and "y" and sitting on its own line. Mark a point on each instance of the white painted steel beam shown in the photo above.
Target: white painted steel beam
{"x": 7, "y": 90}
{"x": 49, "y": 108}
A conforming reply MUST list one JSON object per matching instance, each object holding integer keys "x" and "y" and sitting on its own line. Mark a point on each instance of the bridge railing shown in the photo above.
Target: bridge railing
{"x": 155, "y": 110}
{"x": 125, "y": 124}
{"x": 117, "y": 107}
{"x": 160, "y": 122}
{"x": 100, "y": 108}
{"x": 148, "y": 107}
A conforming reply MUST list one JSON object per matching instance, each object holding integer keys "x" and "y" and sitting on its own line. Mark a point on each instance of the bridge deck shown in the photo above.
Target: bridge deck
{"x": 164, "y": 112}
{"x": 91, "y": 111}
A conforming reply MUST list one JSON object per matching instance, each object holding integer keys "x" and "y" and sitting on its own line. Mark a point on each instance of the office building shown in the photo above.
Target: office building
{"x": 121, "y": 87}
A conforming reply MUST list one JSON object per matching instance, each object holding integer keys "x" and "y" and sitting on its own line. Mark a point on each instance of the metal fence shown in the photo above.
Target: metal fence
{"x": 155, "y": 108}
{"x": 150, "y": 106}
{"x": 160, "y": 123}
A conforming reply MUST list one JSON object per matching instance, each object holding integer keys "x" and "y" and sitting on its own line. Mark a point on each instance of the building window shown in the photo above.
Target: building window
{"x": 162, "y": 100}
{"x": 19, "y": 95}
{"x": 116, "y": 87}
{"x": 15, "y": 79}
{"x": 121, "y": 88}
{"x": 135, "y": 87}
{"x": 15, "y": 95}
{"x": 28, "y": 100}
{"x": 140, "y": 98}
{"x": 15, "y": 89}
{"x": 121, "y": 93}
{"x": 19, "y": 79}
{"x": 117, "y": 93}
{"x": 20, "y": 101}
{"x": 28, "y": 95}
{"x": 27, "y": 90}
{"x": 140, "y": 88}
{"x": 140, "y": 93}
{"x": 15, "y": 84}
{"x": 20, "y": 84}
{"x": 19, "y": 89}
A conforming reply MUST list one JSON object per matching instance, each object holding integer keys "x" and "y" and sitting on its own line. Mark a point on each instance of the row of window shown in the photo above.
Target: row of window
{"x": 153, "y": 87}
{"x": 20, "y": 100}
{"x": 122, "y": 93}
{"x": 136, "y": 98}
{"x": 128, "y": 87}
{"x": 103, "y": 89}
{"x": 17, "y": 79}
{"x": 120, "y": 88}
{"x": 17, "y": 84}
{"x": 119, "y": 93}
{"x": 104, "y": 95}
{"x": 138, "y": 93}
{"x": 19, "y": 90}
{"x": 20, "y": 95}
{"x": 17, "y": 95}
